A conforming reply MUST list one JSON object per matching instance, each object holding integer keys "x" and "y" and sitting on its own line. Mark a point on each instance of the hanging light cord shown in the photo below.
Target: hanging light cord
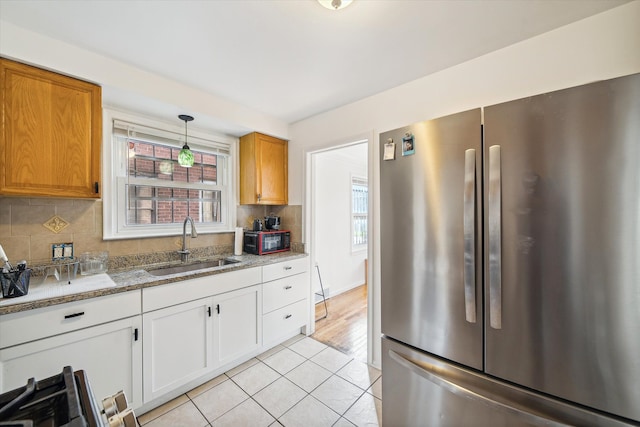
{"x": 186, "y": 119}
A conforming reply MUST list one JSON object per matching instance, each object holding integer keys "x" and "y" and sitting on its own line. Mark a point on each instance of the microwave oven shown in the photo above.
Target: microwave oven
{"x": 266, "y": 242}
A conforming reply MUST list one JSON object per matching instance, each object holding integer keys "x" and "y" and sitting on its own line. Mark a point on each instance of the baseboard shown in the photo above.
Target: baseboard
{"x": 328, "y": 294}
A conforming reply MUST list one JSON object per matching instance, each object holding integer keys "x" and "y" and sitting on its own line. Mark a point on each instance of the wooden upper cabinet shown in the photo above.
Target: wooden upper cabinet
{"x": 51, "y": 133}
{"x": 263, "y": 170}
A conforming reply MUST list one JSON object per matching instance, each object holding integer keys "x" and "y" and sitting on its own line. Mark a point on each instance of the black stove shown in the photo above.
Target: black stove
{"x": 63, "y": 400}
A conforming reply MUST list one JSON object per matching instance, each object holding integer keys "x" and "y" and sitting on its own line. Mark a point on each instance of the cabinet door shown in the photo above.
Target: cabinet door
{"x": 177, "y": 347}
{"x": 51, "y": 133}
{"x": 272, "y": 170}
{"x": 110, "y": 354}
{"x": 263, "y": 170}
{"x": 237, "y": 324}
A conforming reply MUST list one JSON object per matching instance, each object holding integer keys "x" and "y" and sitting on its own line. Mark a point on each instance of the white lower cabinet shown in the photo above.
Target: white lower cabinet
{"x": 177, "y": 346}
{"x": 110, "y": 354}
{"x": 187, "y": 341}
{"x": 156, "y": 342}
{"x": 284, "y": 322}
{"x": 285, "y": 300}
{"x": 237, "y": 324}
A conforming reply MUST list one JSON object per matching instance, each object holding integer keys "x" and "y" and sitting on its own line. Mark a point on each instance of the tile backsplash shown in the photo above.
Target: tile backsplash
{"x": 26, "y": 231}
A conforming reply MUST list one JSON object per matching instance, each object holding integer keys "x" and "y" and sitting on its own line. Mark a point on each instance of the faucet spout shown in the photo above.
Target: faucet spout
{"x": 184, "y": 252}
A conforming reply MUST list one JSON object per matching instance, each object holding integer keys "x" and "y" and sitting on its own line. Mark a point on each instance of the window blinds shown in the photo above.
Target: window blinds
{"x": 151, "y": 134}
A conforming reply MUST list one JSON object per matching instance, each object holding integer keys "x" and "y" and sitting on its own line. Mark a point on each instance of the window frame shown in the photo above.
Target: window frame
{"x": 115, "y": 179}
{"x": 362, "y": 181}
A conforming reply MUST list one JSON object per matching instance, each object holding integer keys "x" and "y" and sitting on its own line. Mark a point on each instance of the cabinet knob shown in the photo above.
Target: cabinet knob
{"x": 286, "y": 288}
{"x": 259, "y": 196}
{"x": 287, "y": 267}
{"x": 287, "y": 316}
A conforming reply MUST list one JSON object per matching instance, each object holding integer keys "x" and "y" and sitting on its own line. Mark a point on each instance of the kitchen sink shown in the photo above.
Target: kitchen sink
{"x": 184, "y": 268}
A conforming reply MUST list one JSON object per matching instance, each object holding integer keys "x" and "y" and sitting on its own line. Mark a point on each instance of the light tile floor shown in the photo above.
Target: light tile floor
{"x": 299, "y": 383}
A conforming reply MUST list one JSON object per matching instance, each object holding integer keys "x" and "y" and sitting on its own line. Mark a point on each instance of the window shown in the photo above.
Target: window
{"x": 359, "y": 209}
{"x": 153, "y": 194}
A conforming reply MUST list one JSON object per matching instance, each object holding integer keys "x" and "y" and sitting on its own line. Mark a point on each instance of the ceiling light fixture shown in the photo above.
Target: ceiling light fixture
{"x": 185, "y": 157}
{"x": 335, "y": 4}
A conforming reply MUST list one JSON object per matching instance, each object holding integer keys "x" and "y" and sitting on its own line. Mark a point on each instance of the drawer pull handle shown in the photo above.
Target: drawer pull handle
{"x": 287, "y": 316}
{"x": 286, "y": 288}
{"x": 287, "y": 267}
{"x": 69, "y": 316}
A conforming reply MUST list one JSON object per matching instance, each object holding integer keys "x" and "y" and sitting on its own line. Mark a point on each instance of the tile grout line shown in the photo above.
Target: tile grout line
{"x": 281, "y": 376}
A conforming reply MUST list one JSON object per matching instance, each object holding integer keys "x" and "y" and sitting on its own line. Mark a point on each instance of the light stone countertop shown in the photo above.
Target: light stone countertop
{"x": 83, "y": 287}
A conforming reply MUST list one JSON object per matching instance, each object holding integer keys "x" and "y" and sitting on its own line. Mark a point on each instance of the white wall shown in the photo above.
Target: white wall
{"x": 133, "y": 89}
{"x": 341, "y": 269}
{"x": 600, "y": 47}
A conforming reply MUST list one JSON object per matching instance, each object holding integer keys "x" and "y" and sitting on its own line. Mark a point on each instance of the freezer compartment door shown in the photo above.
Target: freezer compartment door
{"x": 563, "y": 244}
{"x": 431, "y": 236}
{"x": 421, "y": 390}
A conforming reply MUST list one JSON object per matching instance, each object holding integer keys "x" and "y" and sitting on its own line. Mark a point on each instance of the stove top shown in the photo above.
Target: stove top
{"x": 63, "y": 400}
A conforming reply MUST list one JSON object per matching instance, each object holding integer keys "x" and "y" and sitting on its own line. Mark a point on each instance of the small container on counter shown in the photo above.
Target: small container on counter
{"x": 15, "y": 283}
{"x": 93, "y": 263}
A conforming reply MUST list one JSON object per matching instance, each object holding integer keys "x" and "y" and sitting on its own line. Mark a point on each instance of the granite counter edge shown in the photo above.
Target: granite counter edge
{"x": 138, "y": 278}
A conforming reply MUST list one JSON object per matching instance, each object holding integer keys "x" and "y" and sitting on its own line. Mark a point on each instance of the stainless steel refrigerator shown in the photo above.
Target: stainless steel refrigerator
{"x": 510, "y": 257}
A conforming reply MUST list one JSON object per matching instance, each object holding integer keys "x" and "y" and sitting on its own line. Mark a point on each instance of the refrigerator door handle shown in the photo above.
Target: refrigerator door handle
{"x": 495, "y": 238}
{"x": 469, "y": 218}
{"x": 431, "y": 373}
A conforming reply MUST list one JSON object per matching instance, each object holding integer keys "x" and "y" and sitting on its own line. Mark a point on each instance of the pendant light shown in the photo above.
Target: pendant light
{"x": 185, "y": 157}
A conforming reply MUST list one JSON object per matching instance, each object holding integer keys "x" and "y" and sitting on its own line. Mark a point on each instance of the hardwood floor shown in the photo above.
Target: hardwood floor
{"x": 345, "y": 328}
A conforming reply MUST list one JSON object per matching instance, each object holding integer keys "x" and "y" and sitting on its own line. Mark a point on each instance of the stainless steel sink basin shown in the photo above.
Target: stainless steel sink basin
{"x": 184, "y": 268}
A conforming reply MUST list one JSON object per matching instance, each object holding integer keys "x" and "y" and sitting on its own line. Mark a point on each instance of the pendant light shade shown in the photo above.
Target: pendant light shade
{"x": 185, "y": 157}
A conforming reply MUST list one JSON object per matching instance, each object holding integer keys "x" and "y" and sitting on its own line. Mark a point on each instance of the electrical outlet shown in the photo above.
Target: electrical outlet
{"x": 61, "y": 251}
{"x": 67, "y": 251}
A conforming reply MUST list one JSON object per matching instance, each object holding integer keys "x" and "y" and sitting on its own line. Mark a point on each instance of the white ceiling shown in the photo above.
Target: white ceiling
{"x": 292, "y": 59}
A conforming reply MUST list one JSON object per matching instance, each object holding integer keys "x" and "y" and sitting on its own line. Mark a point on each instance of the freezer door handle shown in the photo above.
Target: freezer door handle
{"x": 431, "y": 373}
{"x": 469, "y": 220}
{"x": 495, "y": 238}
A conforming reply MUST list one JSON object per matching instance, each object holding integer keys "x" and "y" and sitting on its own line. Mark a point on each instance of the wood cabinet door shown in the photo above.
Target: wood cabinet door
{"x": 51, "y": 133}
{"x": 272, "y": 171}
{"x": 237, "y": 324}
{"x": 264, "y": 165}
{"x": 177, "y": 346}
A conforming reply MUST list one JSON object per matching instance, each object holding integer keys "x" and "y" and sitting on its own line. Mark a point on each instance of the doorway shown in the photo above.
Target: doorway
{"x": 339, "y": 247}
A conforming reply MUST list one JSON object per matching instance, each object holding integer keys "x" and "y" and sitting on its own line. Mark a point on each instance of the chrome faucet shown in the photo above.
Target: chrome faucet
{"x": 184, "y": 253}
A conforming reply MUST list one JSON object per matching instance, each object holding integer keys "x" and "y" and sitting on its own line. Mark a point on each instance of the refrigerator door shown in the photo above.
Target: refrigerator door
{"x": 431, "y": 232}
{"x": 421, "y": 390}
{"x": 563, "y": 244}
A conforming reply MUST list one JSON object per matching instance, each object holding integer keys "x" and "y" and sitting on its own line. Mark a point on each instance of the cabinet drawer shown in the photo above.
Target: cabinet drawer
{"x": 282, "y": 292}
{"x": 284, "y": 269}
{"x": 280, "y": 322}
{"x": 29, "y": 325}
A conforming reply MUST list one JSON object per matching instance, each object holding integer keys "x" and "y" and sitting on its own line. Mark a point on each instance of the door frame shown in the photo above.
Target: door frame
{"x": 373, "y": 283}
